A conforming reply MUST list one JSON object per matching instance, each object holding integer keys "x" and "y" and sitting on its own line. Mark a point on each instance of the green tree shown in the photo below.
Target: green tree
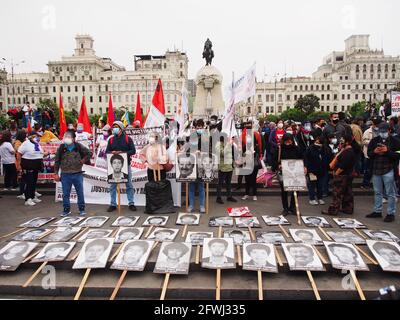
{"x": 358, "y": 109}
{"x": 307, "y": 104}
{"x": 293, "y": 114}
{"x": 318, "y": 114}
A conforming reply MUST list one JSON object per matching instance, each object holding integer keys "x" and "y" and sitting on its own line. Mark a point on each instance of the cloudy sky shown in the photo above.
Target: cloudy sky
{"x": 280, "y": 36}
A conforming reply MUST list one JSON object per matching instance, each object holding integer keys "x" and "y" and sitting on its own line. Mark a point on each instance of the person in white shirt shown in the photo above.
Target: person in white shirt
{"x": 81, "y": 136}
{"x": 368, "y": 135}
{"x": 7, "y": 155}
{"x": 382, "y": 113}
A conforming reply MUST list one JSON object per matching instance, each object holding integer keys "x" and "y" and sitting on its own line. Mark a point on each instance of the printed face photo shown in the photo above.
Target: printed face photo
{"x": 190, "y": 219}
{"x": 94, "y": 222}
{"x": 308, "y": 236}
{"x": 245, "y": 222}
{"x": 347, "y": 223}
{"x": 127, "y": 233}
{"x": 94, "y": 254}
{"x": 381, "y": 235}
{"x": 125, "y": 222}
{"x": 272, "y": 237}
{"x": 117, "y": 168}
{"x": 68, "y": 221}
{"x": 275, "y": 220}
{"x": 293, "y": 175}
{"x": 95, "y": 234}
{"x": 316, "y": 222}
{"x": 197, "y": 238}
{"x": 14, "y": 253}
{"x": 155, "y": 221}
{"x": 208, "y": 167}
{"x": 161, "y": 234}
{"x": 31, "y": 235}
{"x": 54, "y": 252}
{"x": 221, "y": 221}
{"x": 345, "y": 256}
{"x": 346, "y": 237}
{"x": 174, "y": 258}
{"x": 387, "y": 254}
{"x": 239, "y": 237}
{"x": 259, "y": 256}
{"x": 186, "y": 167}
{"x": 62, "y": 234}
{"x": 302, "y": 256}
{"x": 36, "y": 222}
{"x": 133, "y": 255}
{"x": 218, "y": 254}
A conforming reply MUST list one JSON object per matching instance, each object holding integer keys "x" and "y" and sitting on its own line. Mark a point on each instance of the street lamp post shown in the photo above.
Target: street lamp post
{"x": 13, "y": 65}
{"x": 275, "y": 76}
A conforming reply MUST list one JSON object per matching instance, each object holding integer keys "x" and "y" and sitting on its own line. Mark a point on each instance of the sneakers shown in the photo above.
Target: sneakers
{"x": 202, "y": 210}
{"x": 313, "y": 202}
{"x": 384, "y": 200}
{"x": 65, "y": 214}
{"x": 231, "y": 199}
{"x": 245, "y": 197}
{"x": 111, "y": 209}
{"x": 30, "y": 202}
{"x": 190, "y": 209}
{"x": 36, "y": 200}
{"x": 6, "y": 189}
{"x": 82, "y": 213}
{"x": 255, "y": 198}
{"x": 389, "y": 218}
{"x": 321, "y": 202}
{"x": 285, "y": 213}
{"x": 219, "y": 200}
{"x": 374, "y": 215}
{"x": 21, "y": 197}
{"x": 14, "y": 189}
{"x": 38, "y": 195}
{"x": 132, "y": 208}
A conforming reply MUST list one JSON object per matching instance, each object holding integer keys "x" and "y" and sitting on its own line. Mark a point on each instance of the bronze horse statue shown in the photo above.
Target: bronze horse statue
{"x": 208, "y": 53}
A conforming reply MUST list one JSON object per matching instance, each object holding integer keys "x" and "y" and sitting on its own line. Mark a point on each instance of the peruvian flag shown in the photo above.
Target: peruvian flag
{"x": 156, "y": 115}
{"x": 29, "y": 126}
{"x": 63, "y": 122}
{"x": 138, "y": 112}
{"x": 84, "y": 117}
{"x": 111, "y": 116}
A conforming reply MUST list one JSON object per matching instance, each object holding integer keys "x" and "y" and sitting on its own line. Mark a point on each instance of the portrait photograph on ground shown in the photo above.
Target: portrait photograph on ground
{"x": 125, "y": 222}
{"x": 307, "y": 236}
{"x": 345, "y": 256}
{"x": 128, "y": 233}
{"x": 95, "y": 234}
{"x": 346, "y": 237}
{"x": 62, "y": 234}
{"x": 155, "y": 221}
{"x": 186, "y": 169}
{"x": 381, "y": 235}
{"x": 272, "y": 237}
{"x": 301, "y": 256}
{"x": 31, "y": 235}
{"x": 197, "y": 238}
{"x": 94, "y": 254}
{"x": 174, "y": 258}
{"x": 94, "y": 222}
{"x": 117, "y": 168}
{"x": 311, "y": 221}
{"x": 259, "y": 257}
{"x": 14, "y": 253}
{"x": 68, "y": 221}
{"x": 218, "y": 253}
{"x": 347, "y": 223}
{"x": 245, "y": 222}
{"x": 387, "y": 254}
{"x": 36, "y": 222}
{"x": 239, "y": 237}
{"x": 189, "y": 219}
{"x": 54, "y": 251}
{"x": 275, "y": 221}
{"x": 163, "y": 234}
{"x": 221, "y": 222}
{"x": 133, "y": 255}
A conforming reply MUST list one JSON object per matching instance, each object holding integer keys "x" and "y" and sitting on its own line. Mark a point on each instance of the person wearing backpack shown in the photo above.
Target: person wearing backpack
{"x": 70, "y": 158}
{"x": 117, "y": 144}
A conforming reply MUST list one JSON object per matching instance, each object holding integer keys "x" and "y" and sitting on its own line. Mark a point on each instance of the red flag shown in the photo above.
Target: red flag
{"x": 63, "y": 122}
{"x": 138, "y": 112}
{"x": 156, "y": 115}
{"x": 158, "y": 99}
{"x": 29, "y": 126}
{"x": 84, "y": 117}
{"x": 111, "y": 116}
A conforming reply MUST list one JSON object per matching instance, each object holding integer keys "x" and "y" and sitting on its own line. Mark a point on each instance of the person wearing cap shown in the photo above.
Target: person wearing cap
{"x": 31, "y": 155}
{"x": 117, "y": 144}
{"x": 383, "y": 153}
{"x": 81, "y": 136}
{"x": 70, "y": 158}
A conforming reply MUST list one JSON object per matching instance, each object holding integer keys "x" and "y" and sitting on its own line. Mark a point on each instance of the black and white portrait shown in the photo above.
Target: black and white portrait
{"x": 173, "y": 258}
{"x": 347, "y": 223}
{"x": 14, "y": 253}
{"x": 189, "y": 219}
{"x": 239, "y": 237}
{"x": 186, "y": 167}
{"x": 62, "y": 234}
{"x": 94, "y": 254}
{"x": 31, "y": 235}
{"x": 221, "y": 222}
{"x": 36, "y": 222}
{"x": 272, "y": 237}
{"x": 54, "y": 251}
{"x": 301, "y": 256}
{"x": 387, "y": 254}
{"x": 95, "y": 234}
{"x": 207, "y": 166}
{"x": 218, "y": 254}
{"x": 307, "y": 236}
{"x": 128, "y": 233}
{"x": 125, "y": 222}
{"x": 133, "y": 255}
{"x": 197, "y": 238}
{"x": 68, "y": 221}
{"x": 344, "y": 256}
{"x": 155, "y": 221}
{"x": 94, "y": 222}
{"x": 294, "y": 178}
{"x": 275, "y": 221}
{"x": 245, "y": 222}
{"x": 163, "y": 234}
{"x": 316, "y": 222}
{"x": 259, "y": 257}
{"x": 117, "y": 168}
{"x": 346, "y": 236}
{"x": 381, "y": 235}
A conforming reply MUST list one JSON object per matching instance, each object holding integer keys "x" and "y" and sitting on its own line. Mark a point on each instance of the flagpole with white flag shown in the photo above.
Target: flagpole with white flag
{"x": 182, "y": 110}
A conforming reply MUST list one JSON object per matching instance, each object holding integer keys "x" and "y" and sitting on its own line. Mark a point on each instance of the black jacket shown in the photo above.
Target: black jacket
{"x": 287, "y": 153}
{"x": 393, "y": 144}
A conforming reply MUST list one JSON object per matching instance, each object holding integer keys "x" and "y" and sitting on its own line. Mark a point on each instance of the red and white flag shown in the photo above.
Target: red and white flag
{"x": 156, "y": 115}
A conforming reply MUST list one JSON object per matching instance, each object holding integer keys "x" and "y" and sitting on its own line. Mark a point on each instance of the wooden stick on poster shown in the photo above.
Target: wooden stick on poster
{"x": 149, "y": 231}
{"x": 325, "y": 234}
{"x": 296, "y": 200}
{"x": 220, "y": 232}
{"x": 260, "y": 286}
{"x": 197, "y": 261}
{"x": 184, "y": 231}
{"x": 119, "y": 284}
{"x": 33, "y": 276}
{"x": 357, "y": 284}
{"x": 284, "y": 231}
{"x": 12, "y": 233}
{"x": 321, "y": 257}
{"x": 187, "y": 196}
{"x": 278, "y": 257}
{"x": 252, "y": 236}
{"x": 159, "y": 172}
{"x": 373, "y": 261}
{"x": 165, "y": 286}
{"x": 360, "y": 234}
{"x": 80, "y": 234}
{"x": 218, "y": 286}
{"x": 207, "y": 198}
{"x": 31, "y": 257}
{"x": 82, "y": 285}
{"x": 155, "y": 245}
{"x": 46, "y": 234}
{"x": 119, "y": 198}
{"x": 313, "y": 285}
{"x": 116, "y": 252}
{"x": 75, "y": 256}
{"x": 239, "y": 255}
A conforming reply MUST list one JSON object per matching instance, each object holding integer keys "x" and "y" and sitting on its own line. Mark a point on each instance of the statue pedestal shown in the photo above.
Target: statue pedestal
{"x": 208, "y": 99}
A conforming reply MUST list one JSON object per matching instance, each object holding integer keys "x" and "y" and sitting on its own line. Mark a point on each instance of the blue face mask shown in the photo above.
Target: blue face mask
{"x": 200, "y": 131}
{"x": 384, "y": 135}
{"x": 116, "y": 131}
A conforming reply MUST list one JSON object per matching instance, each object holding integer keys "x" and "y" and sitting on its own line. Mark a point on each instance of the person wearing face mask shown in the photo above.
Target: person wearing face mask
{"x": 275, "y": 139}
{"x": 121, "y": 143}
{"x": 319, "y": 126}
{"x": 304, "y": 139}
{"x": 334, "y": 127}
{"x": 383, "y": 153}
{"x": 70, "y": 158}
{"x": 81, "y": 136}
{"x": 31, "y": 155}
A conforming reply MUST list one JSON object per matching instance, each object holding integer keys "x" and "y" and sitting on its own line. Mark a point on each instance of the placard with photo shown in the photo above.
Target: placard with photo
{"x": 54, "y": 251}
{"x": 239, "y": 237}
{"x": 36, "y": 222}
{"x": 94, "y": 254}
{"x": 314, "y": 221}
{"x": 117, "y": 168}
{"x": 133, "y": 255}
{"x": 125, "y": 221}
{"x": 163, "y": 234}
{"x": 14, "y": 253}
{"x": 128, "y": 233}
{"x": 174, "y": 258}
{"x": 294, "y": 178}
{"x": 272, "y": 237}
{"x": 275, "y": 221}
{"x": 196, "y": 238}
{"x": 186, "y": 169}
{"x": 218, "y": 253}
{"x": 259, "y": 257}
{"x": 308, "y": 236}
{"x": 345, "y": 256}
{"x": 387, "y": 254}
{"x": 188, "y": 219}
{"x": 159, "y": 221}
{"x": 301, "y": 256}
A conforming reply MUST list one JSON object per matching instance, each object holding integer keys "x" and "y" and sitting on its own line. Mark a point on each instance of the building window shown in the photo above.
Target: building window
{"x": 99, "y": 98}
{"x": 312, "y": 88}
{"x": 343, "y": 87}
{"x": 288, "y": 98}
{"x": 348, "y": 97}
{"x": 357, "y": 68}
{"x": 91, "y": 110}
{"x": 343, "y": 96}
{"x": 272, "y": 98}
{"x": 348, "y": 87}
{"x": 259, "y": 97}
{"x": 91, "y": 99}
{"x": 335, "y": 96}
{"x": 54, "y": 89}
{"x": 267, "y": 109}
{"x": 356, "y": 96}
{"x": 83, "y": 88}
{"x": 267, "y": 98}
{"x": 295, "y": 88}
{"x": 364, "y": 69}
{"x": 322, "y": 97}
{"x": 301, "y": 88}
{"x": 306, "y": 88}
{"x": 328, "y": 97}
{"x": 322, "y": 108}
{"x": 76, "y": 88}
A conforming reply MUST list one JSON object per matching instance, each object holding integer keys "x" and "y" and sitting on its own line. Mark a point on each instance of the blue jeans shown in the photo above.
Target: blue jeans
{"x": 384, "y": 183}
{"x": 202, "y": 195}
{"x": 129, "y": 191}
{"x": 68, "y": 180}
